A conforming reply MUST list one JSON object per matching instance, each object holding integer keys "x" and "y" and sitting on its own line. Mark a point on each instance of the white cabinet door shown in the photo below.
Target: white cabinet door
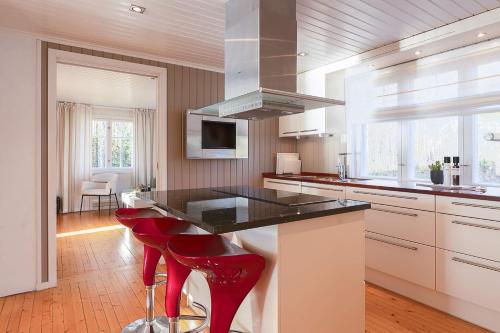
{"x": 392, "y": 198}
{"x": 476, "y": 237}
{"x": 290, "y": 125}
{"x": 489, "y": 210}
{"x": 333, "y": 191}
{"x": 469, "y": 278}
{"x": 282, "y": 185}
{"x": 410, "y": 224}
{"x": 314, "y": 122}
{"x": 405, "y": 260}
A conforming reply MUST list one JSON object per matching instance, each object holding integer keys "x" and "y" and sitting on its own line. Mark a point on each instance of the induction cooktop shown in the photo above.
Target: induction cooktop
{"x": 284, "y": 198}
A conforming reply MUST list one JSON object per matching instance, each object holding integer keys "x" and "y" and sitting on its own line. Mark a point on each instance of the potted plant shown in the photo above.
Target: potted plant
{"x": 437, "y": 176}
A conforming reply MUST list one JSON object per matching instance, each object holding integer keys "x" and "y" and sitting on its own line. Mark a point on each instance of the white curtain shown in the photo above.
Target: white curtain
{"x": 457, "y": 82}
{"x": 74, "y": 125}
{"x": 144, "y": 147}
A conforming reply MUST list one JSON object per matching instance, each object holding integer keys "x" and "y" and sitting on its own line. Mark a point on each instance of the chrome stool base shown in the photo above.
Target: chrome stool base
{"x": 159, "y": 324}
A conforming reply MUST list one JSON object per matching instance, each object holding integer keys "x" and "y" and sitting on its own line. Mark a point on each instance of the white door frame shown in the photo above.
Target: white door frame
{"x": 58, "y": 56}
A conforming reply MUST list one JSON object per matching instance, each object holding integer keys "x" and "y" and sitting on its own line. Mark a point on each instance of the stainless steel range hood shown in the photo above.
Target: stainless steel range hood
{"x": 261, "y": 63}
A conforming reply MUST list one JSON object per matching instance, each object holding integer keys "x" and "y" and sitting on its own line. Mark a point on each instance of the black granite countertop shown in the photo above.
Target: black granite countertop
{"x": 226, "y": 209}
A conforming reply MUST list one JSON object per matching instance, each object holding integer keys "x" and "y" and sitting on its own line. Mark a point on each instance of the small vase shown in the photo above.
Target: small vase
{"x": 437, "y": 177}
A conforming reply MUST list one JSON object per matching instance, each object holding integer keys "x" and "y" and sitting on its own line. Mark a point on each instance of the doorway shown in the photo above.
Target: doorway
{"x": 107, "y": 124}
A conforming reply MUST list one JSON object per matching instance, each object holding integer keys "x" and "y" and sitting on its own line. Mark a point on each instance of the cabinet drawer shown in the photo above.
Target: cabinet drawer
{"x": 482, "y": 209}
{"x": 410, "y": 224}
{"x": 337, "y": 192}
{"x": 392, "y": 198}
{"x": 282, "y": 185}
{"x": 468, "y": 235}
{"x": 406, "y": 260}
{"x": 468, "y": 278}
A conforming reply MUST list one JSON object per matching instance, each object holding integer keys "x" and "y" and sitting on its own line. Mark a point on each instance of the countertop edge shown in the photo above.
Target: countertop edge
{"x": 476, "y": 196}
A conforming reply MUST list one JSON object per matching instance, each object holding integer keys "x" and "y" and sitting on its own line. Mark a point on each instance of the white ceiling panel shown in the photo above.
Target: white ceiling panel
{"x": 192, "y": 31}
{"x": 106, "y": 88}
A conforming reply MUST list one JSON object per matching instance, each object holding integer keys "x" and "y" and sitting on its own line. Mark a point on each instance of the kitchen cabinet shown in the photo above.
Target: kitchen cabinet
{"x": 392, "y": 198}
{"x": 330, "y": 120}
{"x": 313, "y": 122}
{"x": 333, "y": 191}
{"x": 489, "y": 210}
{"x": 477, "y": 237}
{"x": 282, "y": 185}
{"x": 468, "y": 278}
{"x": 404, "y": 223}
{"x": 290, "y": 126}
{"x": 407, "y": 260}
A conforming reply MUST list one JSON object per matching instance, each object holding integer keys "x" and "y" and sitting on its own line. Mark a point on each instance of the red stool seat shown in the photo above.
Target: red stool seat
{"x": 128, "y": 216}
{"x": 230, "y": 270}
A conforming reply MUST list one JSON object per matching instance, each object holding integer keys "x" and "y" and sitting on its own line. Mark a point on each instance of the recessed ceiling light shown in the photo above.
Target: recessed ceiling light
{"x": 137, "y": 9}
{"x": 302, "y": 54}
{"x": 418, "y": 52}
{"x": 481, "y": 34}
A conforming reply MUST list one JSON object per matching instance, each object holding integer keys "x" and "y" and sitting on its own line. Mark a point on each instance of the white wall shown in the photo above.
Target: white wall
{"x": 19, "y": 163}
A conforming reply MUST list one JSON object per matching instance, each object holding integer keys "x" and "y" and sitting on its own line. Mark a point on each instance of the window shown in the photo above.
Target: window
{"x": 381, "y": 145}
{"x": 112, "y": 142}
{"x": 487, "y": 153}
{"x": 429, "y": 141}
{"x": 99, "y": 130}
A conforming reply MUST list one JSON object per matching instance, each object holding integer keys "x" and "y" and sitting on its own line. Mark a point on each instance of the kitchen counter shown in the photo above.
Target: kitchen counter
{"x": 229, "y": 209}
{"x": 322, "y": 251}
{"x": 492, "y": 193}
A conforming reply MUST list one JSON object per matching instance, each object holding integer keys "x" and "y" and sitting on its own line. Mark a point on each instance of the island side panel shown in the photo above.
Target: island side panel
{"x": 259, "y": 311}
{"x": 321, "y": 265}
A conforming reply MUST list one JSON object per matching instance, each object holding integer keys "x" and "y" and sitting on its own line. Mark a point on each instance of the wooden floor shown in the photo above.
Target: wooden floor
{"x": 100, "y": 289}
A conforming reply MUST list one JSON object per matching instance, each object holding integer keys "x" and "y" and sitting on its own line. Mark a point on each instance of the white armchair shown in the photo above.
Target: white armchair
{"x": 103, "y": 184}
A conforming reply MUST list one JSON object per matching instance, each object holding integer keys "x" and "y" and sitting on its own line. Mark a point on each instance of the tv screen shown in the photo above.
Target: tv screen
{"x": 218, "y": 135}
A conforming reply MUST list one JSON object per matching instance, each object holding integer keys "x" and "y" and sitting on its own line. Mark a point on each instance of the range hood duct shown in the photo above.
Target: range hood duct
{"x": 261, "y": 63}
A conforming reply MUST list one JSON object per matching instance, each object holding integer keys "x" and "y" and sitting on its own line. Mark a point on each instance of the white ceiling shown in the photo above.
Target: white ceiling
{"x": 107, "y": 88}
{"x": 192, "y": 31}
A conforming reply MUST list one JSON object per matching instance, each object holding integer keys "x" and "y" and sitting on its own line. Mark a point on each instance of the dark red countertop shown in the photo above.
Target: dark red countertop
{"x": 492, "y": 193}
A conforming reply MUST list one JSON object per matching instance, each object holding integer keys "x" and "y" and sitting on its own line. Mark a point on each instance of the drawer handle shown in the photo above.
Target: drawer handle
{"x": 413, "y": 248}
{"x": 274, "y": 182}
{"x": 290, "y": 132}
{"x": 321, "y": 188}
{"x": 472, "y": 263}
{"x": 387, "y": 195}
{"x": 456, "y": 203}
{"x": 395, "y": 212}
{"x": 310, "y": 130}
{"x": 476, "y": 225}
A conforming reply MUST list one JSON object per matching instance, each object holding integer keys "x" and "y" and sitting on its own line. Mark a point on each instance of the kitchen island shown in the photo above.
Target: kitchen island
{"x": 313, "y": 246}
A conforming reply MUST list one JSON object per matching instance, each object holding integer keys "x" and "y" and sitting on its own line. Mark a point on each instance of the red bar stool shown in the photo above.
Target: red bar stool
{"x": 231, "y": 272}
{"x": 129, "y": 217}
{"x": 156, "y": 233}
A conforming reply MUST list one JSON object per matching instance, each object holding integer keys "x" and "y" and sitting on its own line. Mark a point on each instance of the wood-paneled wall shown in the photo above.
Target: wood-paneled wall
{"x": 192, "y": 88}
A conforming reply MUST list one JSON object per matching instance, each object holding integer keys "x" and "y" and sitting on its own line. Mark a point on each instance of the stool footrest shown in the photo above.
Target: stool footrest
{"x": 205, "y": 318}
{"x": 159, "y": 283}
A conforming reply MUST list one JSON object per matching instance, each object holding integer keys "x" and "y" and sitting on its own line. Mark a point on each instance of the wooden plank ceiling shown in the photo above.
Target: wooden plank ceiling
{"x": 191, "y": 32}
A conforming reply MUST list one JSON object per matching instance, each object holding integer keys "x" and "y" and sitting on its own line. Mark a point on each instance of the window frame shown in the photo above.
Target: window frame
{"x": 467, "y": 151}
{"x": 109, "y": 144}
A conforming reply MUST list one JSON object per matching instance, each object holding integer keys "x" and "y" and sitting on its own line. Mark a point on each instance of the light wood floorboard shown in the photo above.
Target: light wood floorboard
{"x": 100, "y": 289}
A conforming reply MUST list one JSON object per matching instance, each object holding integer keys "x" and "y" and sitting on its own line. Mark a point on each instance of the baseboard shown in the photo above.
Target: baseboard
{"x": 467, "y": 311}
